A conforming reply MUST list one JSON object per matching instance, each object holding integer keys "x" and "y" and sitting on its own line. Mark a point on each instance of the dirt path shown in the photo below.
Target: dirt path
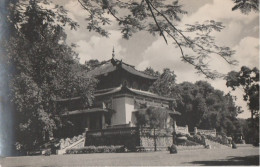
{"x": 241, "y": 156}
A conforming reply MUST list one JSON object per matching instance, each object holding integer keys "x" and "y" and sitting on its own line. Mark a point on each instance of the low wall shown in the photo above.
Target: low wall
{"x": 131, "y": 137}
{"x": 182, "y": 129}
{"x": 128, "y": 137}
{"x": 205, "y": 132}
{"x": 190, "y": 147}
{"x": 150, "y": 137}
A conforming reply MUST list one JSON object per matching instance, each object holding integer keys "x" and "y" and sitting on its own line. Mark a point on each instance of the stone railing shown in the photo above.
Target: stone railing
{"x": 75, "y": 142}
{"x": 205, "y": 132}
{"x": 131, "y": 137}
{"x": 68, "y": 141}
{"x": 112, "y": 131}
{"x": 181, "y": 129}
{"x": 119, "y": 126}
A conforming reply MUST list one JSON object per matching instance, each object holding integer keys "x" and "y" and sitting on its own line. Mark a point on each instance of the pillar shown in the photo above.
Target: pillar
{"x": 84, "y": 133}
{"x": 103, "y": 121}
{"x": 88, "y": 122}
{"x": 187, "y": 128}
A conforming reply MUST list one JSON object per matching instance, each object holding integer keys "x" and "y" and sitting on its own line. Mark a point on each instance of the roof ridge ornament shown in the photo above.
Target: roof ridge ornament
{"x": 113, "y": 56}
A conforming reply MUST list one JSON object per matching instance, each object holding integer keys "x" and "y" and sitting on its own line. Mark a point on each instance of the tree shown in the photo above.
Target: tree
{"x": 162, "y": 18}
{"x": 165, "y": 83}
{"x": 200, "y": 104}
{"x": 248, "y": 79}
{"x": 154, "y": 118}
{"x": 91, "y": 64}
{"x": 41, "y": 69}
{"x": 151, "y": 71}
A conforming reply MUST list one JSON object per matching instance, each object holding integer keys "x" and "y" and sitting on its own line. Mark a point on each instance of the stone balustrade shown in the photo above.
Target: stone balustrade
{"x": 182, "y": 129}
{"x": 69, "y": 141}
{"x": 205, "y": 132}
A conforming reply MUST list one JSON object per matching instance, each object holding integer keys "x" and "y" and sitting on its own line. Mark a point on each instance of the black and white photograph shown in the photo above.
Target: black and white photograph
{"x": 129, "y": 83}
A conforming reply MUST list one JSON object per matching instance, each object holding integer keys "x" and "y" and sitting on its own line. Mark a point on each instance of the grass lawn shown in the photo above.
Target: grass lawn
{"x": 242, "y": 156}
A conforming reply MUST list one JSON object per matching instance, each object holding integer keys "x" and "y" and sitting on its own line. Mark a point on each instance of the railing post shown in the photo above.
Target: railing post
{"x": 187, "y": 128}
{"x": 195, "y": 130}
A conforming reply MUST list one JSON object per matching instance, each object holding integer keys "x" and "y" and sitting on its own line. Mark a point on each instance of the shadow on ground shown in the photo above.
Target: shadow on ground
{"x": 248, "y": 160}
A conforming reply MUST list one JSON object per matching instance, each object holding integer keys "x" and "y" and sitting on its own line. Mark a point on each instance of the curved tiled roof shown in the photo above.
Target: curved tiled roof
{"x": 148, "y": 94}
{"x": 84, "y": 111}
{"x": 135, "y": 91}
{"x": 114, "y": 90}
{"x": 113, "y": 65}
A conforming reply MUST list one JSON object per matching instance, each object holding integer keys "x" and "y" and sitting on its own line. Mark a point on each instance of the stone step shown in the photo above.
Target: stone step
{"x": 214, "y": 144}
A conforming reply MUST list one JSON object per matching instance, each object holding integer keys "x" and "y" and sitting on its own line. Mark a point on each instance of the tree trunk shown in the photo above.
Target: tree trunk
{"x": 154, "y": 138}
{"x": 174, "y": 133}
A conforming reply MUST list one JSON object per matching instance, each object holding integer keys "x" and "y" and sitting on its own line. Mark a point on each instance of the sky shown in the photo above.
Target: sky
{"x": 143, "y": 50}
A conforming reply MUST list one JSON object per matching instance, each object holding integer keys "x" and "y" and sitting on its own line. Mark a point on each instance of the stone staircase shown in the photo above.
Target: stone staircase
{"x": 214, "y": 145}
{"x": 68, "y": 143}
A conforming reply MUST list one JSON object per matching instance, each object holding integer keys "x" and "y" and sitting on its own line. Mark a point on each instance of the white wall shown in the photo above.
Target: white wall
{"x": 129, "y": 108}
{"x": 118, "y": 104}
{"x": 124, "y": 106}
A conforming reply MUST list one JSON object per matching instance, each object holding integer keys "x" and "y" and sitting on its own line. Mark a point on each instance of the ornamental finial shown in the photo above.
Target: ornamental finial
{"x": 113, "y": 52}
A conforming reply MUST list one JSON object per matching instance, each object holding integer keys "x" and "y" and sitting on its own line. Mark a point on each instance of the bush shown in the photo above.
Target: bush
{"x": 197, "y": 139}
{"x": 234, "y": 146}
{"x": 96, "y": 149}
{"x": 187, "y": 143}
{"x": 173, "y": 149}
{"x": 256, "y": 142}
{"x": 218, "y": 139}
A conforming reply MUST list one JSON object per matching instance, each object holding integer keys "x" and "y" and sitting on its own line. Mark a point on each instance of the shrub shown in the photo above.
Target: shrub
{"x": 173, "y": 149}
{"x": 187, "y": 143}
{"x": 180, "y": 134}
{"x": 218, "y": 139}
{"x": 96, "y": 149}
{"x": 197, "y": 139}
{"x": 234, "y": 146}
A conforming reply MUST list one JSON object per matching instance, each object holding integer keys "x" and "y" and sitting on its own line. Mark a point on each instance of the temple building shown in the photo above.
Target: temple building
{"x": 121, "y": 92}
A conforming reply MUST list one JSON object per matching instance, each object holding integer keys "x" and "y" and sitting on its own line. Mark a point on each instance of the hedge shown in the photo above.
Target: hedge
{"x": 197, "y": 139}
{"x": 96, "y": 149}
{"x": 187, "y": 143}
{"x": 218, "y": 139}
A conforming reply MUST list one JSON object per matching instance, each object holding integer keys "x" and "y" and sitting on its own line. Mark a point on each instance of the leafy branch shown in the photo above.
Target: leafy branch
{"x": 157, "y": 17}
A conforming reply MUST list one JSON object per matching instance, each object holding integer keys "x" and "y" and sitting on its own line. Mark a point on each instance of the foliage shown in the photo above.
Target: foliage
{"x": 96, "y": 149}
{"x": 248, "y": 79}
{"x": 187, "y": 143}
{"x": 173, "y": 149}
{"x": 196, "y": 138}
{"x": 250, "y": 134}
{"x": 153, "y": 117}
{"x": 41, "y": 68}
{"x": 204, "y": 107}
{"x": 218, "y": 139}
{"x": 160, "y": 18}
{"x": 234, "y": 146}
{"x": 165, "y": 83}
{"x": 152, "y": 72}
{"x": 200, "y": 104}
{"x": 246, "y": 6}
{"x": 91, "y": 64}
